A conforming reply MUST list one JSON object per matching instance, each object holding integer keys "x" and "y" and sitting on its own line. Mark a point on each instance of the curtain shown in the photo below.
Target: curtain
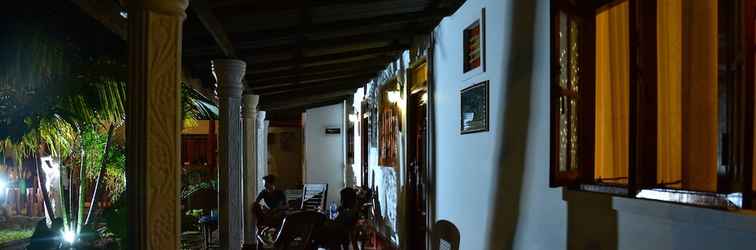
{"x": 687, "y": 94}
{"x": 669, "y": 49}
{"x": 612, "y": 94}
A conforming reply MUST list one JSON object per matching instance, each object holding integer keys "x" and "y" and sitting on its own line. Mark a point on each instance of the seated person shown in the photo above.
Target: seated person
{"x": 275, "y": 200}
{"x": 348, "y": 211}
{"x": 337, "y": 233}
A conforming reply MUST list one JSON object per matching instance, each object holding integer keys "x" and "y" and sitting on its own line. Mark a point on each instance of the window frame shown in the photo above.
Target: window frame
{"x": 642, "y": 155}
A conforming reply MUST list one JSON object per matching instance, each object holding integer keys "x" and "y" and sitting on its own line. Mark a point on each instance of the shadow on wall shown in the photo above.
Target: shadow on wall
{"x": 591, "y": 220}
{"x": 514, "y": 125}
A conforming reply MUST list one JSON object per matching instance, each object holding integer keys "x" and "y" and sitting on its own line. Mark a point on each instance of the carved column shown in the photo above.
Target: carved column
{"x": 249, "y": 116}
{"x": 231, "y": 227}
{"x": 153, "y": 123}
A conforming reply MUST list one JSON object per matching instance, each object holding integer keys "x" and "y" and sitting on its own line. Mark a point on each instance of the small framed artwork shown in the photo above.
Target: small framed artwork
{"x": 473, "y": 51}
{"x": 474, "y": 108}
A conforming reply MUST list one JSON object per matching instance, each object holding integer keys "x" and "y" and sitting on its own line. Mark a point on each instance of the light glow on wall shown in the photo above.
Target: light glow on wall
{"x": 394, "y": 96}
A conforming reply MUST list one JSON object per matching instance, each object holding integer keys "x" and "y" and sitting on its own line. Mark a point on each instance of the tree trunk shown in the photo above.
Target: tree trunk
{"x": 43, "y": 187}
{"x": 104, "y": 162}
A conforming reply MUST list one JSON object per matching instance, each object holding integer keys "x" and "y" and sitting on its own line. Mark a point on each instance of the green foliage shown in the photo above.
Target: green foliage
{"x": 117, "y": 221}
{"x": 189, "y": 189}
{"x": 8, "y": 235}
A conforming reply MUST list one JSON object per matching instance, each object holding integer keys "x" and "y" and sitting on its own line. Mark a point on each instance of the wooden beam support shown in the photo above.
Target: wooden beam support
{"x": 153, "y": 104}
{"x": 211, "y": 23}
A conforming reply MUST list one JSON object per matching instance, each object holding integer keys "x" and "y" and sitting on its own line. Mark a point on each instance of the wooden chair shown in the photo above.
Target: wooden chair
{"x": 296, "y": 230}
{"x": 314, "y": 197}
{"x": 294, "y": 198}
{"x": 445, "y": 236}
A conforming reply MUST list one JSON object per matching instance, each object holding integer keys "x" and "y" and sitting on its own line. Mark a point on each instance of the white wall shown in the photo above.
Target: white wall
{"x": 324, "y": 154}
{"x": 494, "y": 185}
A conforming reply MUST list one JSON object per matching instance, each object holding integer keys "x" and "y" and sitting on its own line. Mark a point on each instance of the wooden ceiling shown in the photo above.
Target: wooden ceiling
{"x": 299, "y": 52}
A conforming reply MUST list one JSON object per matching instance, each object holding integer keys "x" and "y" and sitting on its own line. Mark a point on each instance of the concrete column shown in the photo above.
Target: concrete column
{"x": 154, "y": 123}
{"x": 249, "y": 122}
{"x": 262, "y": 149}
{"x": 231, "y": 226}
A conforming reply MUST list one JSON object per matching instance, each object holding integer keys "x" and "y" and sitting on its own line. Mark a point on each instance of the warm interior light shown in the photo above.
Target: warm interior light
{"x": 394, "y": 96}
{"x": 352, "y": 118}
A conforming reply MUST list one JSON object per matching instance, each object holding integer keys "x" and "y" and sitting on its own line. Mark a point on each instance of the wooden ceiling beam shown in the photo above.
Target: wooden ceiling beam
{"x": 379, "y": 51}
{"x": 331, "y": 42}
{"x": 242, "y": 33}
{"x": 347, "y": 67}
{"x": 281, "y": 102}
{"x": 375, "y": 61}
{"x": 260, "y": 87}
{"x": 202, "y": 9}
{"x": 106, "y": 12}
{"x": 317, "y": 88}
{"x": 268, "y": 5}
{"x": 314, "y": 76}
{"x": 305, "y": 78}
{"x": 280, "y": 8}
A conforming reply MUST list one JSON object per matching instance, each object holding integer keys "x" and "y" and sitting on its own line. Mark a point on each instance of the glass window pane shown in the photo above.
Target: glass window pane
{"x": 563, "y": 78}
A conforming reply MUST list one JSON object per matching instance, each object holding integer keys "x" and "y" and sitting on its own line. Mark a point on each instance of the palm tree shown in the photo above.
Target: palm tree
{"x": 70, "y": 106}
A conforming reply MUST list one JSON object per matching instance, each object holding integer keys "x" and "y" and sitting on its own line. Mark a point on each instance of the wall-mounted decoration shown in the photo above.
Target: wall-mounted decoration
{"x": 474, "y": 45}
{"x": 474, "y": 108}
{"x": 390, "y": 126}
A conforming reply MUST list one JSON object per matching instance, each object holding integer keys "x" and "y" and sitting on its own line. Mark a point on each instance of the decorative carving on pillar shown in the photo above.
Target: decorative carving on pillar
{"x": 249, "y": 113}
{"x": 229, "y": 74}
{"x": 153, "y": 123}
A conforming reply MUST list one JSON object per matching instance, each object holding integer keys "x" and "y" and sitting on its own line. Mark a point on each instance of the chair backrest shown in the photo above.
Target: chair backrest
{"x": 296, "y": 230}
{"x": 445, "y": 236}
{"x": 314, "y": 197}
{"x": 294, "y": 198}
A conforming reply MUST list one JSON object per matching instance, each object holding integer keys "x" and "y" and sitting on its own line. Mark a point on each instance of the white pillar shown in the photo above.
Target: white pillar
{"x": 229, "y": 74}
{"x": 262, "y": 149}
{"x": 249, "y": 117}
{"x": 153, "y": 127}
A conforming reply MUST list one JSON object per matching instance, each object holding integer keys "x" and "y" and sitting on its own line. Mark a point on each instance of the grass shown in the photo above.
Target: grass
{"x": 7, "y": 235}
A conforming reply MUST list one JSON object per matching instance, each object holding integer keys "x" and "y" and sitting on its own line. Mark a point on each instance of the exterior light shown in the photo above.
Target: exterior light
{"x": 68, "y": 236}
{"x": 352, "y": 118}
{"x": 394, "y": 96}
{"x": 3, "y": 184}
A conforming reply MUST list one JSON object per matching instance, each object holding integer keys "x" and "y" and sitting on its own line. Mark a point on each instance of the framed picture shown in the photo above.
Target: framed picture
{"x": 474, "y": 108}
{"x": 473, "y": 47}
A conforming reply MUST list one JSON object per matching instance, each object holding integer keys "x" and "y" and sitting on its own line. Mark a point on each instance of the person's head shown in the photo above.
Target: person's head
{"x": 348, "y": 197}
{"x": 270, "y": 182}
